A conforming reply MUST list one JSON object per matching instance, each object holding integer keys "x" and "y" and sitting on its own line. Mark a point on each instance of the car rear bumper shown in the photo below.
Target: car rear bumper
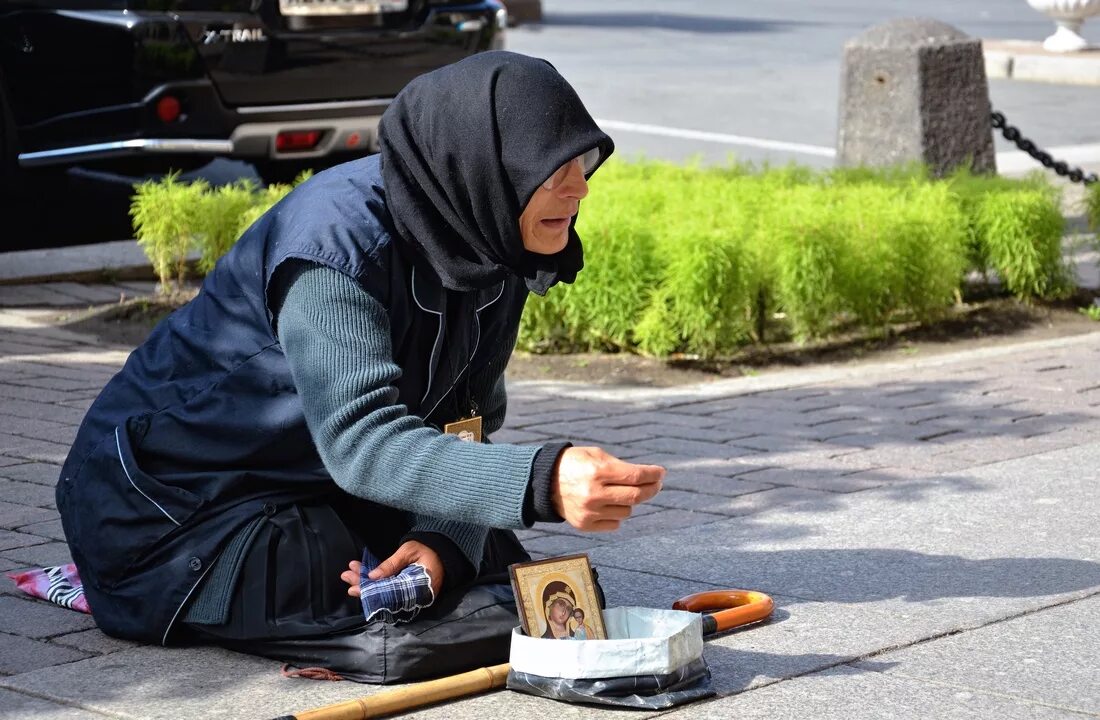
{"x": 249, "y": 140}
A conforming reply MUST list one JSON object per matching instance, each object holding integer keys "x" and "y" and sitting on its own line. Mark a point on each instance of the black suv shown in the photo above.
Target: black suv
{"x": 142, "y": 86}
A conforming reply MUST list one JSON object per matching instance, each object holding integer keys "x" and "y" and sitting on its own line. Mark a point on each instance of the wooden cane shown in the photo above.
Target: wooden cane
{"x": 727, "y": 609}
{"x": 406, "y": 698}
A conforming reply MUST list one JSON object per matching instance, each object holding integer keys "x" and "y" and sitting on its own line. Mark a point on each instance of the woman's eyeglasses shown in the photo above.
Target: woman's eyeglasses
{"x": 587, "y": 161}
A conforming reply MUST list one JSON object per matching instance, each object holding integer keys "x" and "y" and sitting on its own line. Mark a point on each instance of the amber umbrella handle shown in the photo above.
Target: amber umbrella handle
{"x": 727, "y": 609}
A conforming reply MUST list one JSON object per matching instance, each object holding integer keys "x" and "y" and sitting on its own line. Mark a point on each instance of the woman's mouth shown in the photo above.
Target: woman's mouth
{"x": 556, "y": 224}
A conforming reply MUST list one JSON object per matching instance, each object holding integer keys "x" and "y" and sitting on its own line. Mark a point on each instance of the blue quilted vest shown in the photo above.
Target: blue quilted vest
{"x": 203, "y": 429}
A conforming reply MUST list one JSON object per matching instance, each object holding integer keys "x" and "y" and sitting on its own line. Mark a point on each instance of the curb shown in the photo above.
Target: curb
{"x": 1027, "y": 60}
{"x": 664, "y": 398}
{"x": 98, "y": 263}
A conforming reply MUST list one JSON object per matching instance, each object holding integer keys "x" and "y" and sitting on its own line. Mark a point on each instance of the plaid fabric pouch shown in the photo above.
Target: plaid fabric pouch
{"x": 395, "y": 599}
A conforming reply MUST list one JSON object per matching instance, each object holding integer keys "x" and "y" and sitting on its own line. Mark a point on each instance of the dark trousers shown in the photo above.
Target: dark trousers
{"x": 290, "y": 604}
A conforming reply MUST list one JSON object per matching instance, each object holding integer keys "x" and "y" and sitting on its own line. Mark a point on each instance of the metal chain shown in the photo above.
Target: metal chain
{"x": 1012, "y": 134}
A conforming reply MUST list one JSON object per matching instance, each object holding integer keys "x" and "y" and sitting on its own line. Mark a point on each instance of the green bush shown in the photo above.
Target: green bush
{"x": 709, "y": 259}
{"x": 172, "y": 219}
{"x": 1020, "y": 234}
{"x": 165, "y": 214}
{"x": 218, "y": 223}
{"x": 702, "y": 261}
{"x": 1092, "y": 207}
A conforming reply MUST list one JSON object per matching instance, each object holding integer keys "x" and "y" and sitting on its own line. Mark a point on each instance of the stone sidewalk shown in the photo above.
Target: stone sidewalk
{"x": 929, "y": 529}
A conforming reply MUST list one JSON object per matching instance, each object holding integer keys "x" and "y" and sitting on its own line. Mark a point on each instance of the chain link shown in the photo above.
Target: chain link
{"x": 1013, "y": 135}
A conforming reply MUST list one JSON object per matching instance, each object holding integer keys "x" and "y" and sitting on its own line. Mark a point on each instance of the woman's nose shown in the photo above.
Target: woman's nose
{"x": 574, "y": 186}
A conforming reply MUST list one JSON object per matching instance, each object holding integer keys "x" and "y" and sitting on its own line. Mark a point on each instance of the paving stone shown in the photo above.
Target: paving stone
{"x": 18, "y": 706}
{"x": 31, "y": 394}
{"x": 155, "y": 683}
{"x": 40, "y": 619}
{"x": 29, "y": 449}
{"x": 23, "y": 655}
{"x": 711, "y": 484}
{"x": 26, "y": 493}
{"x": 44, "y": 555}
{"x": 695, "y": 448}
{"x": 34, "y": 296}
{"x": 548, "y": 418}
{"x": 93, "y": 642}
{"x": 695, "y": 501}
{"x": 63, "y": 436}
{"x": 553, "y": 545}
{"x": 728, "y": 467}
{"x": 517, "y": 437}
{"x": 13, "y": 516}
{"x": 8, "y": 461}
{"x": 1048, "y": 657}
{"x": 856, "y": 694}
{"x": 91, "y": 294}
{"x": 10, "y": 539}
{"x": 42, "y": 411}
{"x": 623, "y": 452}
{"x": 54, "y": 383}
{"x": 772, "y": 443}
{"x": 664, "y": 418}
{"x": 591, "y": 432}
{"x": 717, "y": 434}
{"x": 49, "y": 529}
{"x": 81, "y": 404}
{"x": 827, "y": 479}
{"x": 85, "y": 373}
{"x": 779, "y": 497}
{"x": 32, "y": 472}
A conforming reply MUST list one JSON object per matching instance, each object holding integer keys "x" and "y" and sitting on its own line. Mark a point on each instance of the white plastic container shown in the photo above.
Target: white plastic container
{"x": 641, "y": 641}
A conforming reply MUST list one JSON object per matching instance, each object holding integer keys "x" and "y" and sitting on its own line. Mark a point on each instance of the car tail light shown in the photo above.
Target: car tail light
{"x": 168, "y": 109}
{"x": 297, "y": 140}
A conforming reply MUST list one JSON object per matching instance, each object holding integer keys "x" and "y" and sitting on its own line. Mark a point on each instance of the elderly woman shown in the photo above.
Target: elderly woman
{"x": 298, "y": 408}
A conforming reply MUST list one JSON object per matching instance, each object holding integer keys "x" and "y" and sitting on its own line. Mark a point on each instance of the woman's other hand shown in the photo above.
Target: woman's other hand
{"x": 595, "y": 491}
{"x": 409, "y": 553}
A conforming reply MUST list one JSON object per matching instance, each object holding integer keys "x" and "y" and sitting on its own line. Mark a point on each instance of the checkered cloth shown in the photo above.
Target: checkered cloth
{"x": 394, "y": 599}
{"x": 59, "y": 584}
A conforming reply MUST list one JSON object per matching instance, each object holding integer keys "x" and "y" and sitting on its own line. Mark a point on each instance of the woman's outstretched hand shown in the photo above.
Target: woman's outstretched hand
{"x": 593, "y": 490}
{"x": 409, "y": 553}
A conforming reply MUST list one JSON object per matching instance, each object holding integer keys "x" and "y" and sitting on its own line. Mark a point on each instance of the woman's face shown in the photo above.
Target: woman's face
{"x": 544, "y": 223}
{"x": 560, "y": 611}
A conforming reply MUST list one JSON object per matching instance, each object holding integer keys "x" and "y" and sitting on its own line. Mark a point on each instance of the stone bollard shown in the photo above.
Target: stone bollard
{"x": 915, "y": 90}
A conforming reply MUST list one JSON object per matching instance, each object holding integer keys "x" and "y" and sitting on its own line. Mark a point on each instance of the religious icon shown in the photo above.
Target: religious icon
{"x": 557, "y": 599}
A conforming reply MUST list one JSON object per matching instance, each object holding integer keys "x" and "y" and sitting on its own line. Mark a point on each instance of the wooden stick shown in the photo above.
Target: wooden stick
{"x": 402, "y": 699}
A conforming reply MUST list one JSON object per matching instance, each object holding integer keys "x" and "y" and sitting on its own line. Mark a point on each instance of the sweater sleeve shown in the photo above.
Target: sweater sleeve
{"x": 336, "y": 338}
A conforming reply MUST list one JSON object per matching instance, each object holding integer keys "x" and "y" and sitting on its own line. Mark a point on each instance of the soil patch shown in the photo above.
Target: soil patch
{"x": 983, "y": 323}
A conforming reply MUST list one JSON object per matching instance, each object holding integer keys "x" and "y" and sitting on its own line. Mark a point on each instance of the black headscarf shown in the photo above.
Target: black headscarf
{"x": 463, "y": 150}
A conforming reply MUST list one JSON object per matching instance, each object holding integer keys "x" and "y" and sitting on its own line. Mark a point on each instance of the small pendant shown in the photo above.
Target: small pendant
{"x": 468, "y": 429}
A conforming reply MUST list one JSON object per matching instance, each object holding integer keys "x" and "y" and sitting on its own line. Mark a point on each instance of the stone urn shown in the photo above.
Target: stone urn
{"x": 1068, "y": 15}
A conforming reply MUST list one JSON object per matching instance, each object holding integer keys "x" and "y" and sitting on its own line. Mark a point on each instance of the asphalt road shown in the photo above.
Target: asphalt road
{"x": 766, "y": 73}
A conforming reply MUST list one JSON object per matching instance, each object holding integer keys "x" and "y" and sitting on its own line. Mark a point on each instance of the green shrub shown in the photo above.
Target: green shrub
{"x": 701, "y": 261}
{"x": 166, "y": 214}
{"x": 1092, "y": 207}
{"x": 1019, "y": 234}
{"x": 709, "y": 259}
{"x": 219, "y": 221}
{"x": 171, "y": 219}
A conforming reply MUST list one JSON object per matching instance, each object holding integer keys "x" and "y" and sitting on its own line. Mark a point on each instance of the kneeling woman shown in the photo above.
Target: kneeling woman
{"x": 294, "y": 411}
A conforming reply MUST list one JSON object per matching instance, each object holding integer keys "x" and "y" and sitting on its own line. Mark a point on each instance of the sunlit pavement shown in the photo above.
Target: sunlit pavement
{"x": 928, "y": 529}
